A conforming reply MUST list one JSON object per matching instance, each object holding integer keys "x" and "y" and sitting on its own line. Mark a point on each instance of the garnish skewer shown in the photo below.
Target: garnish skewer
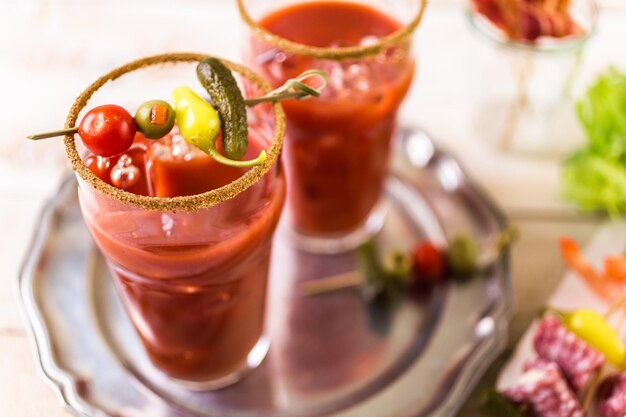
{"x": 293, "y": 88}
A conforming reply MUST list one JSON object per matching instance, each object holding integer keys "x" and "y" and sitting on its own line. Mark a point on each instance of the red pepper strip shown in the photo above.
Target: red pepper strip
{"x": 604, "y": 286}
{"x": 158, "y": 115}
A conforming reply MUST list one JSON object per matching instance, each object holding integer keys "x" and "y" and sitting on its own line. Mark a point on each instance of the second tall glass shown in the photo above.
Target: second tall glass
{"x": 337, "y": 147}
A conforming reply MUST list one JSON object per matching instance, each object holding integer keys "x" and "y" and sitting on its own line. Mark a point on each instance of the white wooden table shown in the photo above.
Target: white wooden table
{"x": 52, "y": 49}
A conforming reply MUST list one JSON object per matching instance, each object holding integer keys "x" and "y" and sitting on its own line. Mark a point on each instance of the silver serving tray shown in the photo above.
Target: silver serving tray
{"x": 330, "y": 356}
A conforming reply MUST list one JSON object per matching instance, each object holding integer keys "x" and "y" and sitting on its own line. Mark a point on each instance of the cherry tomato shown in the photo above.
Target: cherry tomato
{"x": 107, "y": 130}
{"x": 429, "y": 262}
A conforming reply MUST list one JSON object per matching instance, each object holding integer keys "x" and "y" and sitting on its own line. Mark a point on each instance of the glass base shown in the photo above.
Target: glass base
{"x": 340, "y": 242}
{"x": 253, "y": 360}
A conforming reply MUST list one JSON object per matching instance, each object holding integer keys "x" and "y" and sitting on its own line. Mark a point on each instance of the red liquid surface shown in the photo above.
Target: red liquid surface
{"x": 193, "y": 283}
{"x": 337, "y": 146}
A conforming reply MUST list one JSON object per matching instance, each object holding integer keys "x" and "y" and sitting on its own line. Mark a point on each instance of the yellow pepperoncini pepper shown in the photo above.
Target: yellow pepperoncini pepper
{"x": 197, "y": 120}
{"x": 597, "y": 332}
{"x": 199, "y": 124}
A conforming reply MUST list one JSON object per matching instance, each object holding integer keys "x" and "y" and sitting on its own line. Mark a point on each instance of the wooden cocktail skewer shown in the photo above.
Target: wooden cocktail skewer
{"x": 353, "y": 278}
{"x": 293, "y": 88}
{"x": 53, "y": 134}
{"x": 331, "y": 283}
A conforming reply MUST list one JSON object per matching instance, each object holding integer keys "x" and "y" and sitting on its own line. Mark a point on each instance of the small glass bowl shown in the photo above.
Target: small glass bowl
{"x": 531, "y": 109}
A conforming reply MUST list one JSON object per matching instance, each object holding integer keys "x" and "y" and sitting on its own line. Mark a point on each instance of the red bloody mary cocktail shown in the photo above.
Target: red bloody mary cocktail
{"x": 193, "y": 283}
{"x": 193, "y": 280}
{"x": 337, "y": 146}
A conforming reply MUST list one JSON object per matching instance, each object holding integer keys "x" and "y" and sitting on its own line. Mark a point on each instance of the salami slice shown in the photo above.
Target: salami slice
{"x": 611, "y": 397}
{"x": 577, "y": 360}
{"x": 545, "y": 391}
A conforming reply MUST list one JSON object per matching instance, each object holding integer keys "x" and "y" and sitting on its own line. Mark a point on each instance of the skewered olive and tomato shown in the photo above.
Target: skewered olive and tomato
{"x": 109, "y": 130}
{"x": 425, "y": 264}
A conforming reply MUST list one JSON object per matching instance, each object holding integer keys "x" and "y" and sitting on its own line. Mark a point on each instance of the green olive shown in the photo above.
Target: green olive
{"x": 398, "y": 265}
{"x": 155, "y": 119}
{"x": 462, "y": 255}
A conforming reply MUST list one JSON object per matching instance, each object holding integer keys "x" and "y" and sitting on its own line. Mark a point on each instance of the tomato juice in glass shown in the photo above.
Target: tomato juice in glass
{"x": 338, "y": 146}
{"x": 193, "y": 281}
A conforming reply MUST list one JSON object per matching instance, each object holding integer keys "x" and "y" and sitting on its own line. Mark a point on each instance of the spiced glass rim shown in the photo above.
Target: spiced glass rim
{"x": 339, "y": 53}
{"x": 550, "y": 45}
{"x": 183, "y": 203}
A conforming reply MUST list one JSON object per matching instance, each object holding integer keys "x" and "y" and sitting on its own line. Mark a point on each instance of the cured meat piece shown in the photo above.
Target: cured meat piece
{"x": 545, "y": 391}
{"x": 611, "y": 397}
{"x": 578, "y": 361}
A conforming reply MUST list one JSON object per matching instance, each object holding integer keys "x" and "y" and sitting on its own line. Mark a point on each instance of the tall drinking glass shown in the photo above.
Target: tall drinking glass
{"x": 191, "y": 269}
{"x": 337, "y": 147}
